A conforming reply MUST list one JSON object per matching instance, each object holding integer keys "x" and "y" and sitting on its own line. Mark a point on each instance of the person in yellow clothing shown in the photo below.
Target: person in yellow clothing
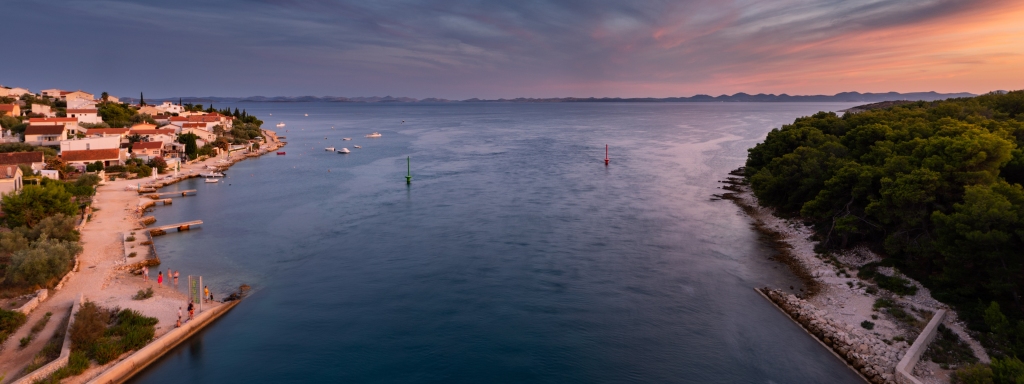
{"x": 206, "y": 293}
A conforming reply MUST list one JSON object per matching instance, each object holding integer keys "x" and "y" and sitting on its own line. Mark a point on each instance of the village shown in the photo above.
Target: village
{"x": 72, "y": 124}
{"x": 77, "y": 176}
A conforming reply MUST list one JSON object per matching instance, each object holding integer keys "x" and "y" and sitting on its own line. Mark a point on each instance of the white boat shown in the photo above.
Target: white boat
{"x": 211, "y": 174}
{"x": 279, "y": 125}
{"x": 211, "y": 180}
{"x": 373, "y": 135}
{"x": 329, "y": 149}
{"x": 358, "y": 146}
{"x": 307, "y": 114}
{"x": 346, "y": 139}
{"x": 343, "y": 150}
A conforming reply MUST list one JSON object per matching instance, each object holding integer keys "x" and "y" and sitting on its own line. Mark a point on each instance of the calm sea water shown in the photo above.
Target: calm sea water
{"x": 514, "y": 256}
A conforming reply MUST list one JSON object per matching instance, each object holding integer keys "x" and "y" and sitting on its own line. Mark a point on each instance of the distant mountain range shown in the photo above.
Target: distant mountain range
{"x": 739, "y": 97}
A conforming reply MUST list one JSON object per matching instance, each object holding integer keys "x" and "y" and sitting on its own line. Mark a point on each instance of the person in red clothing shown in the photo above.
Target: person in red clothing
{"x": 160, "y": 278}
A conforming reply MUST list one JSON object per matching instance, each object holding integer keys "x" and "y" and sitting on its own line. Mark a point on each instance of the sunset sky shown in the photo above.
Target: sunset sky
{"x": 460, "y": 49}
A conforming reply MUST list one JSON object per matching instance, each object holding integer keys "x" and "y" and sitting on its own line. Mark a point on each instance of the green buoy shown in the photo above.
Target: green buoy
{"x": 408, "y": 170}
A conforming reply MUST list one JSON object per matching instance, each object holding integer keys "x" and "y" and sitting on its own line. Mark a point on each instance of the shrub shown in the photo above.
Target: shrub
{"x": 89, "y": 326}
{"x": 1007, "y": 371}
{"x": 49, "y": 259}
{"x": 143, "y": 294}
{"x": 867, "y": 325}
{"x": 39, "y": 325}
{"x": 25, "y": 340}
{"x": 133, "y": 254}
{"x": 10, "y": 321}
{"x": 973, "y": 374}
{"x": 105, "y": 349}
{"x": 130, "y": 238}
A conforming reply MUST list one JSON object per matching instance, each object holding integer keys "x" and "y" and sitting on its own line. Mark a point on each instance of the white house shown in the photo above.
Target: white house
{"x": 203, "y": 134}
{"x": 49, "y": 135}
{"x": 52, "y": 92}
{"x": 13, "y": 92}
{"x": 82, "y": 104}
{"x": 10, "y": 179}
{"x": 42, "y": 109}
{"x": 164, "y": 135}
{"x": 107, "y": 156}
{"x": 90, "y": 143}
{"x": 170, "y": 107}
{"x": 77, "y": 95}
{"x": 87, "y": 116}
{"x": 69, "y": 123}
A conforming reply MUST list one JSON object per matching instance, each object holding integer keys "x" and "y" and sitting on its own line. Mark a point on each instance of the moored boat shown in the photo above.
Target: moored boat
{"x": 343, "y": 150}
{"x": 281, "y": 124}
{"x": 329, "y": 149}
{"x": 280, "y": 153}
{"x": 373, "y": 135}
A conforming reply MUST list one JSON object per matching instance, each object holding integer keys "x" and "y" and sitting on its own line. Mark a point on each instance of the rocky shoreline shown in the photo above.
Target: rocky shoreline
{"x": 868, "y": 327}
{"x": 874, "y": 359}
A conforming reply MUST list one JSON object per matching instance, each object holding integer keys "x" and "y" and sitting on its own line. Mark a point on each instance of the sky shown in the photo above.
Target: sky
{"x": 459, "y": 49}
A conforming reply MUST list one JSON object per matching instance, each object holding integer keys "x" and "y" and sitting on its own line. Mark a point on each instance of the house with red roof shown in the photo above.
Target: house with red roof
{"x": 10, "y": 110}
{"x": 85, "y": 115}
{"x": 148, "y": 149}
{"x": 108, "y": 157}
{"x": 46, "y": 135}
{"x": 31, "y": 159}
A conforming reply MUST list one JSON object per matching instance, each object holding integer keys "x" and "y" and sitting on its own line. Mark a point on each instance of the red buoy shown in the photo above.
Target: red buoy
{"x": 606, "y": 154}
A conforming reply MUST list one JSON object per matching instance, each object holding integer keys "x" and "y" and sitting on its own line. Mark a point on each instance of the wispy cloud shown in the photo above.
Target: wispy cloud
{"x": 463, "y": 48}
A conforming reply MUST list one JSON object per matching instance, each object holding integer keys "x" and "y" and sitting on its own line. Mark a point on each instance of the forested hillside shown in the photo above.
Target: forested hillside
{"x": 934, "y": 186}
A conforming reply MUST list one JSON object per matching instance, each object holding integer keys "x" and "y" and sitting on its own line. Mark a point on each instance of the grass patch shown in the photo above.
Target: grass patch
{"x": 143, "y": 294}
{"x": 39, "y": 325}
{"x": 867, "y": 325}
{"x": 948, "y": 351}
{"x": 130, "y": 238}
{"x": 10, "y": 321}
{"x": 23, "y": 342}
{"x": 894, "y": 284}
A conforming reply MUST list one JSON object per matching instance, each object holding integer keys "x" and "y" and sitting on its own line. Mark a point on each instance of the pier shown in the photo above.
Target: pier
{"x": 156, "y": 195}
{"x": 162, "y": 230}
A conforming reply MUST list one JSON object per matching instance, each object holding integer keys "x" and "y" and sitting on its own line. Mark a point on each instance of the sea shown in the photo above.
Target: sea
{"x": 515, "y": 255}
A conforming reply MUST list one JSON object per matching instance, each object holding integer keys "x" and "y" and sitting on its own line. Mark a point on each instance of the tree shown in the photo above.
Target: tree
{"x": 159, "y": 163}
{"x": 191, "y": 148}
{"x": 142, "y": 99}
{"x": 54, "y": 163}
{"x": 35, "y": 203}
{"x": 46, "y": 261}
{"x": 116, "y": 115}
{"x": 104, "y": 96}
{"x": 134, "y": 138}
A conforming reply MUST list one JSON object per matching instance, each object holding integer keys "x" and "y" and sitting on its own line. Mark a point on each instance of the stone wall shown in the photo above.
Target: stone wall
{"x": 872, "y": 358}
{"x": 65, "y": 352}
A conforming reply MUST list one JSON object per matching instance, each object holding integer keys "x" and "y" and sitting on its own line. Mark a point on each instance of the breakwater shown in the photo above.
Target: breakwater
{"x": 874, "y": 359}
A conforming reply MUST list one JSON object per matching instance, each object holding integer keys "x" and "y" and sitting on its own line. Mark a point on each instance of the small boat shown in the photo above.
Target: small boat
{"x": 211, "y": 180}
{"x": 211, "y": 174}
{"x": 358, "y": 146}
{"x": 279, "y": 125}
{"x": 373, "y": 135}
{"x": 280, "y": 153}
{"x": 343, "y": 150}
{"x": 307, "y": 114}
{"x": 346, "y": 139}
{"x": 329, "y": 149}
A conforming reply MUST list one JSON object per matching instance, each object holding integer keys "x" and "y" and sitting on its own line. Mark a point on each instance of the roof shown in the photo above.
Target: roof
{"x": 20, "y": 158}
{"x": 147, "y": 145}
{"x": 7, "y": 107}
{"x": 91, "y": 155}
{"x": 194, "y": 125}
{"x": 88, "y": 110}
{"x": 179, "y": 118}
{"x": 44, "y": 130}
{"x": 142, "y": 126}
{"x": 53, "y": 120}
{"x": 9, "y": 171}
{"x": 106, "y": 131}
{"x": 152, "y": 131}
{"x": 204, "y": 119}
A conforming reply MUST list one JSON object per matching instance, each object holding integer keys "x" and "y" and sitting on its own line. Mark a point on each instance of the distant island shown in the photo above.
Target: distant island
{"x": 738, "y": 97}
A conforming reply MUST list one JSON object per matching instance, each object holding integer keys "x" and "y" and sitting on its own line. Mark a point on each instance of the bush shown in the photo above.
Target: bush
{"x": 105, "y": 349}
{"x": 10, "y": 321}
{"x": 89, "y": 326}
{"x": 25, "y": 340}
{"x": 867, "y": 325}
{"x": 973, "y": 374}
{"x": 144, "y": 294}
{"x": 133, "y": 254}
{"x": 49, "y": 259}
{"x": 130, "y": 238}
{"x": 36, "y": 203}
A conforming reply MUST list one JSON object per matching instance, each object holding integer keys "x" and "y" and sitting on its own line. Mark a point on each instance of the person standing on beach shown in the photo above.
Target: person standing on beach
{"x": 191, "y": 310}
{"x": 145, "y": 273}
{"x": 160, "y": 279}
{"x": 176, "y": 274}
{"x": 206, "y": 293}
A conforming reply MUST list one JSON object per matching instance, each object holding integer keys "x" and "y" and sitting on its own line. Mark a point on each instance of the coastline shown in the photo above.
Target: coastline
{"x": 836, "y": 302}
{"x": 103, "y": 273}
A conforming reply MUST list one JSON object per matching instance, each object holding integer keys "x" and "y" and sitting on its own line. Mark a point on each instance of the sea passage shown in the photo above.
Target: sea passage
{"x": 514, "y": 256}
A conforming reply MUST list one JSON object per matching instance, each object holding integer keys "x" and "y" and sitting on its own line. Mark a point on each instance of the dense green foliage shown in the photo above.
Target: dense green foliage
{"x": 117, "y": 115}
{"x": 103, "y": 335}
{"x": 935, "y": 186}
{"x": 35, "y": 203}
{"x": 22, "y": 147}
